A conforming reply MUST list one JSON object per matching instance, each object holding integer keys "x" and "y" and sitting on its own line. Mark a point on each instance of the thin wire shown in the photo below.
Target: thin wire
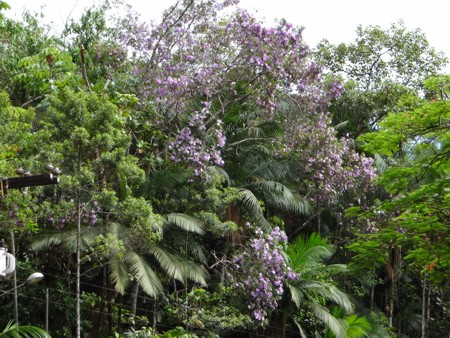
{"x": 101, "y": 287}
{"x": 144, "y": 310}
{"x": 164, "y": 326}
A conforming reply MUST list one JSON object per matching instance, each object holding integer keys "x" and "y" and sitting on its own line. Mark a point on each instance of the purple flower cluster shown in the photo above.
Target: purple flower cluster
{"x": 197, "y": 145}
{"x": 330, "y": 163}
{"x": 193, "y": 54}
{"x": 196, "y": 53}
{"x": 261, "y": 272}
{"x": 68, "y": 214}
{"x": 14, "y": 215}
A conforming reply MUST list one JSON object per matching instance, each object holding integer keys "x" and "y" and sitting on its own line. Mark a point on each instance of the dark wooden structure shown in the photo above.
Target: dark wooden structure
{"x": 26, "y": 181}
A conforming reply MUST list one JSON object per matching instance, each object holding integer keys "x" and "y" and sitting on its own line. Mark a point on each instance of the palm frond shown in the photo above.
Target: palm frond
{"x": 328, "y": 291}
{"x": 220, "y": 171}
{"x": 357, "y": 326}
{"x": 410, "y": 316}
{"x": 261, "y": 222}
{"x": 377, "y": 330}
{"x": 195, "y": 273}
{"x": 177, "y": 240}
{"x": 169, "y": 263}
{"x": 68, "y": 239}
{"x": 196, "y": 250}
{"x": 177, "y": 267}
{"x": 257, "y": 153}
{"x": 145, "y": 275}
{"x": 250, "y": 202}
{"x": 281, "y": 197}
{"x": 276, "y": 170}
{"x": 118, "y": 273}
{"x": 300, "y": 329}
{"x": 341, "y": 125}
{"x": 335, "y": 269}
{"x": 14, "y": 330}
{"x": 88, "y": 236}
{"x": 332, "y": 323}
{"x": 251, "y": 205}
{"x": 264, "y": 131}
{"x": 297, "y": 296}
{"x": 165, "y": 180}
{"x": 47, "y": 241}
{"x": 186, "y": 222}
{"x": 117, "y": 230}
{"x": 309, "y": 252}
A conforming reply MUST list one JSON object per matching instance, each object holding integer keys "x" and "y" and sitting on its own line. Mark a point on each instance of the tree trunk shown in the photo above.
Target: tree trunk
{"x": 283, "y": 323}
{"x": 155, "y": 309}
{"x": 391, "y": 311}
{"x": 424, "y": 293}
{"x": 78, "y": 299}
{"x": 133, "y": 305}
{"x": 372, "y": 292}
{"x": 428, "y": 306}
{"x": 119, "y": 316}
{"x": 318, "y": 215}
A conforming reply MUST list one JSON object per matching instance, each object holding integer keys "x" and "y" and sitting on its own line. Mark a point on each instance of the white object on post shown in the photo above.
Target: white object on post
{"x": 7, "y": 262}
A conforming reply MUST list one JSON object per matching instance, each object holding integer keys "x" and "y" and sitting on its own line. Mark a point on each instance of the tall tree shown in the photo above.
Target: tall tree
{"x": 408, "y": 229}
{"x": 378, "y": 68}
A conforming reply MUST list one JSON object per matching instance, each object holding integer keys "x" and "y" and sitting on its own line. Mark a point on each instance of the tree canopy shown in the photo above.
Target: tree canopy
{"x": 220, "y": 178}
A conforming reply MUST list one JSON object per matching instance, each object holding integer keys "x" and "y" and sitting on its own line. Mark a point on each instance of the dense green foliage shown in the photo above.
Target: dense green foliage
{"x": 220, "y": 179}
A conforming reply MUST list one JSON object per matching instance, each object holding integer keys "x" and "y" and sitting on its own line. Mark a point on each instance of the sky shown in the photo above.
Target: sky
{"x": 321, "y": 19}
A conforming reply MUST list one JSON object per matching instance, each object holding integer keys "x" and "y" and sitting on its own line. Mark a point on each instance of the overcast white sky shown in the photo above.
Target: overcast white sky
{"x": 330, "y": 19}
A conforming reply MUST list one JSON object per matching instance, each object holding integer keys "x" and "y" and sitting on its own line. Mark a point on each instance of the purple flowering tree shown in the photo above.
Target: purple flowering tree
{"x": 197, "y": 63}
{"x": 261, "y": 272}
{"x": 331, "y": 164}
{"x": 203, "y": 70}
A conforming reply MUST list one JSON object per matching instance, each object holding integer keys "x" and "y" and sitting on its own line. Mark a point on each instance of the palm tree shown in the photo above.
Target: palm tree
{"x": 130, "y": 260}
{"x": 315, "y": 288}
{"x": 252, "y": 167}
{"x": 132, "y": 264}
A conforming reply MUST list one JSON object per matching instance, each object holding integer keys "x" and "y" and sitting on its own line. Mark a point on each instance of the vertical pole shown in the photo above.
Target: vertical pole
{"x": 424, "y": 293}
{"x": 46, "y": 309}
{"x": 16, "y": 304}
{"x": 78, "y": 298}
